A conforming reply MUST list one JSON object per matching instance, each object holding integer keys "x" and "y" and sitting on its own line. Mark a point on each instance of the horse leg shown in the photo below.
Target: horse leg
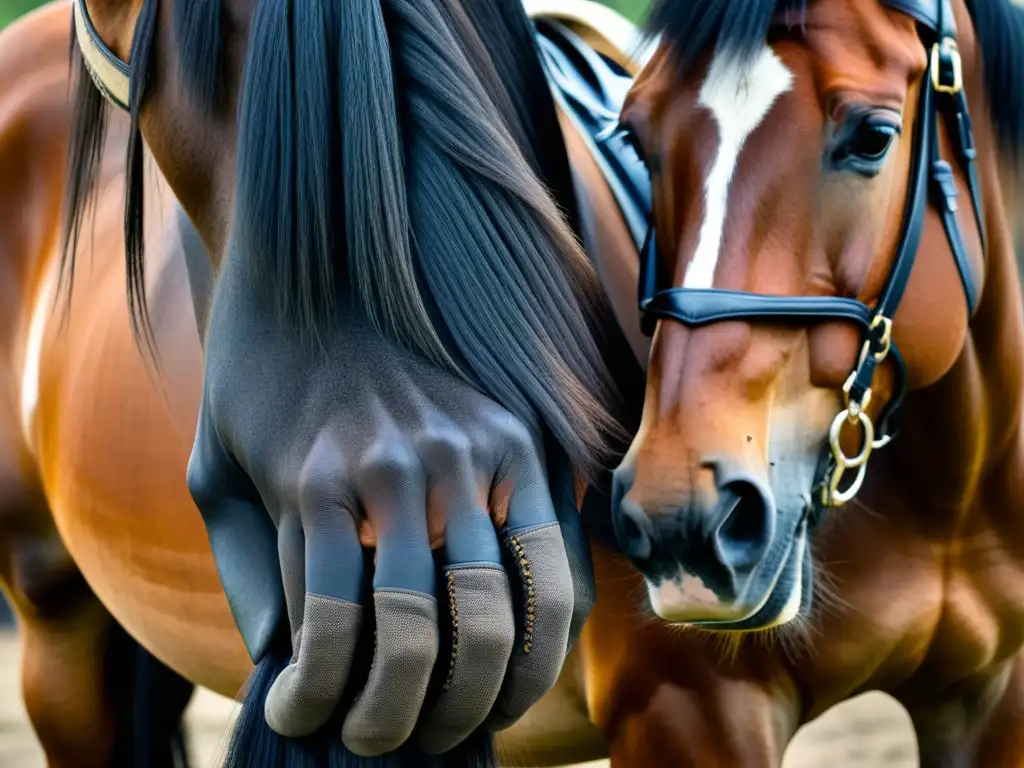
{"x": 980, "y": 724}
{"x": 63, "y": 684}
{"x": 96, "y": 699}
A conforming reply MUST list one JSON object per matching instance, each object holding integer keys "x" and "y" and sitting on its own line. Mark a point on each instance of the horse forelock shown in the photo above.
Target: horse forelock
{"x": 450, "y": 242}
{"x": 734, "y": 28}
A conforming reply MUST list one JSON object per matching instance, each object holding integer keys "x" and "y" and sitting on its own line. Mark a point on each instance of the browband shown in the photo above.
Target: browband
{"x": 109, "y": 73}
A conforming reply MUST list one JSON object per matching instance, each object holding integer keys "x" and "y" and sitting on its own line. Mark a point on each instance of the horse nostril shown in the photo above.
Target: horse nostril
{"x": 745, "y": 522}
{"x": 631, "y": 528}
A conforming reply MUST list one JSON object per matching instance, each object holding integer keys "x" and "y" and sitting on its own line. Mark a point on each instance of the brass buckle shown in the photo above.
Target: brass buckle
{"x": 886, "y": 341}
{"x": 831, "y": 496}
{"x": 947, "y": 47}
{"x": 886, "y": 323}
{"x": 855, "y": 413}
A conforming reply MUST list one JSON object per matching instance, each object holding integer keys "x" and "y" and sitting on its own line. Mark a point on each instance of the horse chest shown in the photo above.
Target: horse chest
{"x": 918, "y": 614}
{"x": 982, "y": 620}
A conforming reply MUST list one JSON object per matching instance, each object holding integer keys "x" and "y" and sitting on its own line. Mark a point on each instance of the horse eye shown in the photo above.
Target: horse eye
{"x": 871, "y": 141}
{"x": 862, "y": 145}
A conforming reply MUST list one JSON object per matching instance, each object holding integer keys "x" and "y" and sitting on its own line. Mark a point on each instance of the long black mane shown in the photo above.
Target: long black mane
{"x": 419, "y": 167}
{"x": 740, "y": 27}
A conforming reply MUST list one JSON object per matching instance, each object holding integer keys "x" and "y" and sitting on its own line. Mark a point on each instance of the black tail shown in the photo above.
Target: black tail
{"x": 255, "y": 745}
{"x": 149, "y": 700}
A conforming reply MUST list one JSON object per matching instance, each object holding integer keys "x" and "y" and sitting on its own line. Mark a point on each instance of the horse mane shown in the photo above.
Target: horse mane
{"x": 999, "y": 27}
{"x": 198, "y": 32}
{"x": 414, "y": 168}
{"x": 89, "y": 122}
{"x": 508, "y": 36}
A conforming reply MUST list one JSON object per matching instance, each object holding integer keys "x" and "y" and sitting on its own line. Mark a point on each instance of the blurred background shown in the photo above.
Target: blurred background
{"x": 12, "y": 9}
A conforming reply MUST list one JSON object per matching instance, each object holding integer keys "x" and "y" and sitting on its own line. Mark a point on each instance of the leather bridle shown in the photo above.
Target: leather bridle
{"x": 930, "y": 176}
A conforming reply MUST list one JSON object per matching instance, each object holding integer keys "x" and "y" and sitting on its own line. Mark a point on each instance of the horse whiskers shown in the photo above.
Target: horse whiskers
{"x": 865, "y": 508}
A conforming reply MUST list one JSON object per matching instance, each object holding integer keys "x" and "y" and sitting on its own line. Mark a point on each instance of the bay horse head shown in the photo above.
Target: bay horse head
{"x": 818, "y": 250}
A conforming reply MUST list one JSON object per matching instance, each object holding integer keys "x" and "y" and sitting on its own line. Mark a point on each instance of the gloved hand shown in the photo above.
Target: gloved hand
{"x": 306, "y": 457}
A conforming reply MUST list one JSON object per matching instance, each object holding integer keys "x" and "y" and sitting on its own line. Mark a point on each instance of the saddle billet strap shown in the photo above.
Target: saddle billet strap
{"x": 608, "y": 82}
{"x": 111, "y": 75}
{"x": 946, "y": 192}
{"x": 958, "y": 122}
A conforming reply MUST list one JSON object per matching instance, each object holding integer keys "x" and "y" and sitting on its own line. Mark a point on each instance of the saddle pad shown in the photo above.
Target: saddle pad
{"x": 606, "y": 31}
{"x": 583, "y": 50}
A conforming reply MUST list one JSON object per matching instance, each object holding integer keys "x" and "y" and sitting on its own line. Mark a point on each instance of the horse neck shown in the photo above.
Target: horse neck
{"x": 959, "y": 431}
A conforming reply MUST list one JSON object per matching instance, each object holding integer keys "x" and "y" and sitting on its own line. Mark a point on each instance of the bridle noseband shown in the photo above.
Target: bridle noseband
{"x": 941, "y": 95}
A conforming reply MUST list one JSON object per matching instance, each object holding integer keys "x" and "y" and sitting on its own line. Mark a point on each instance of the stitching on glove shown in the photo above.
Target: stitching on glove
{"x": 531, "y": 600}
{"x": 453, "y": 611}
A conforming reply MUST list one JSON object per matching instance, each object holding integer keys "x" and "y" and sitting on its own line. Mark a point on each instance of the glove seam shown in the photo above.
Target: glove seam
{"x": 510, "y": 532}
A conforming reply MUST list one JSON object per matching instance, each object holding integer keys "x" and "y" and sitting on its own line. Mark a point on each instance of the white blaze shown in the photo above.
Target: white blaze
{"x": 739, "y": 98}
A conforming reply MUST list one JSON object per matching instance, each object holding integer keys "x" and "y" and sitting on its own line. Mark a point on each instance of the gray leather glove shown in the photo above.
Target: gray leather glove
{"x": 305, "y": 457}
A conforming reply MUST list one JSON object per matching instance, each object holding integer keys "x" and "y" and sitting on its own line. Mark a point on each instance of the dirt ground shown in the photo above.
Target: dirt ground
{"x": 869, "y": 732}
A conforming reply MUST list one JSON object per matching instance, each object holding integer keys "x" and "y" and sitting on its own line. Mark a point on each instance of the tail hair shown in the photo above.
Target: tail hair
{"x": 254, "y": 745}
